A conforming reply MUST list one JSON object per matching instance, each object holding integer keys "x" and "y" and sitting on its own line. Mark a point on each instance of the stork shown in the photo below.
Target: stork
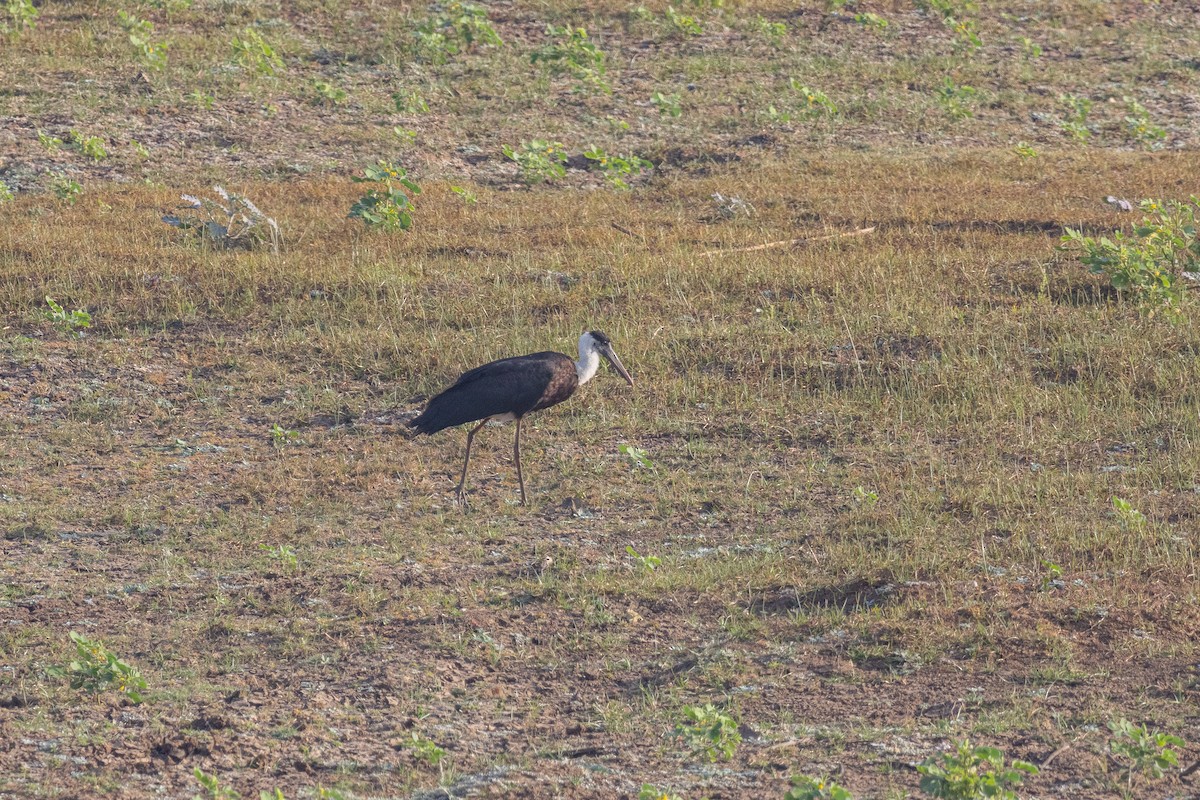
{"x": 510, "y": 388}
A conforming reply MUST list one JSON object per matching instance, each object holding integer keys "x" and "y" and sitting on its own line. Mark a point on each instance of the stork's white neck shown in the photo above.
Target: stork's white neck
{"x": 586, "y": 366}
{"x": 589, "y": 359}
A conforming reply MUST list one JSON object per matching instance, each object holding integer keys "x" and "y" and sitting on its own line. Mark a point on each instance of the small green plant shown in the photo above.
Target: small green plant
{"x": 6, "y": 192}
{"x": 1051, "y": 577}
{"x": 1129, "y": 516}
{"x": 942, "y": 8}
{"x": 667, "y": 104}
{"x": 213, "y": 788}
{"x": 411, "y": 103}
{"x": 709, "y": 732}
{"x": 966, "y": 37}
{"x": 68, "y": 321}
{"x": 170, "y": 6}
{"x": 90, "y": 146}
{"x": 646, "y": 563}
{"x": 281, "y": 436}
{"x": 65, "y": 188}
{"x": 973, "y": 772}
{"x": 1030, "y": 50}
{"x": 153, "y": 55}
{"x": 953, "y": 14}
{"x": 1075, "y": 119}
{"x": 871, "y": 21}
{"x": 651, "y": 792}
{"x": 774, "y": 32}
{"x": 426, "y": 749}
{"x": 865, "y": 497}
{"x": 202, "y": 99}
{"x": 617, "y": 125}
{"x": 815, "y": 103}
{"x": 49, "y": 141}
{"x": 406, "y": 135}
{"x": 576, "y": 55}
{"x": 466, "y": 194}
{"x": 386, "y": 205}
{"x": 139, "y": 148}
{"x": 955, "y": 100}
{"x": 233, "y": 221}
{"x": 325, "y": 93}
{"x": 1140, "y": 127}
{"x": 808, "y": 788}
{"x": 1150, "y": 266}
{"x": 19, "y": 16}
{"x": 255, "y": 54}
{"x": 682, "y": 24}
{"x": 97, "y": 669}
{"x": 454, "y": 29}
{"x": 777, "y": 116}
{"x": 539, "y": 160}
{"x": 1141, "y": 752}
{"x": 281, "y": 553}
{"x": 637, "y": 455}
{"x": 1024, "y": 151}
{"x": 617, "y": 168}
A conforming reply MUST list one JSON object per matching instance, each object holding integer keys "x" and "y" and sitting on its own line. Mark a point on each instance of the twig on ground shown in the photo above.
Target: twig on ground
{"x": 786, "y": 242}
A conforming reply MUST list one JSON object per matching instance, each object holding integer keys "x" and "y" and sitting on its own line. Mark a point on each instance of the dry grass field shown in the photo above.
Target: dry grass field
{"x": 872, "y": 496}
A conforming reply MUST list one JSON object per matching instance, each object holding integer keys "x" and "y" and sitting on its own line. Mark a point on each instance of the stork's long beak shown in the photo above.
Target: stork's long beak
{"x": 608, "y": 353}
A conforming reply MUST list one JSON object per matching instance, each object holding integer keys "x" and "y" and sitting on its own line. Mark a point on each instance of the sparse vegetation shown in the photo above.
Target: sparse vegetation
{"x": 67, "y": 321}
{"x": 708, "y": 732}
{"x": 151, "y": 54}
{"x": 1152, "y": 266}
{"x": 65, "y": 188}
{"x": 865, "y": 505}
{"x": 387, "y": 204}
{"x": 98, "y": 669}
{"x": 1075, "y": 119}
{"x": 20, "y": 16}
{"x": 325, "y": 93}
{"x": 540, "y": 161}
{"x": 574, "y": 54}
{"x": 255, "y": 54}
{"x": 90, "y": 146}
{"x": 808, "y": 788}
{"x": 1141, "y": 128}
{"x": 646, "y": 563}
{"x": 957, "y": 101}
{"x": 1142, "y": 753}
{"x": 667, "y": 104}
{"x": 455, "y": 28}
{"x": 973, "y": 773}
{"x": 617, "y": 168}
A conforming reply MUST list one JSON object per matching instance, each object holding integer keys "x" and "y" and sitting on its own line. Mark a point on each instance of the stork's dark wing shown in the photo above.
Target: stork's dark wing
{"x": 509, "y": 386}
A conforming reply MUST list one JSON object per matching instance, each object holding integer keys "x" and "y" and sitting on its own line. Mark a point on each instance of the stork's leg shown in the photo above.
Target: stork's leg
{"x": 470, "y": 438}
{"x": 517, "y": 456}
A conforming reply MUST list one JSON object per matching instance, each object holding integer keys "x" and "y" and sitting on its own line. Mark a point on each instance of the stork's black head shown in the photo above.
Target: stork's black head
{"x": 601, "y": 338}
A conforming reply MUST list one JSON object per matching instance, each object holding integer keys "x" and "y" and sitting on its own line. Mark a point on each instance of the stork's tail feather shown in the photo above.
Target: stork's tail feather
{"x": 423, "y": 424}
{"x": 438, "y": 415}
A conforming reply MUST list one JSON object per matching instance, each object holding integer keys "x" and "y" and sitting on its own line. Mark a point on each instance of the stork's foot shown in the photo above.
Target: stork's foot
{"x": 460, "y": 494}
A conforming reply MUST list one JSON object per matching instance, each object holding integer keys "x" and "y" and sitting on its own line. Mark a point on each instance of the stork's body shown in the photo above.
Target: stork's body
{"x": 510, "y": 388}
